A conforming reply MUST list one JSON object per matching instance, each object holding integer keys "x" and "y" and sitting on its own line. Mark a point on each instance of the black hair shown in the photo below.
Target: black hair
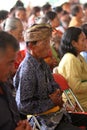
{"x": 50, "y": 15}
{"x": 46, "y": 7}
{"x": 3, "y": 14}
{"x": 19, "y": 3}
{"x": 65, "y": 13}
{"x": 58, "y": 9}
{"x": 12, "y": 9}
{"x": 85, "y": 6}
{"x": 75, "y": 9}
{"x": 71, "y": 34}
{"x": 7, "y": 40}
{"x": 35, "y": 10}
{"x": 84, "y": 28}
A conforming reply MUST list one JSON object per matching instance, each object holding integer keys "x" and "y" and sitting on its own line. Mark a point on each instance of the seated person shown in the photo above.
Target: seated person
{"x": 9, "y": 115}
{"x": 72, "y": 65}
{"x": 36, "y": 91}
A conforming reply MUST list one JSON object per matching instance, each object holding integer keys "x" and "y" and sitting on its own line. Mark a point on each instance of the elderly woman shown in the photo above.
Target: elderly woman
{"x": 72, "y": 65}
{"x": 14, "y": 26}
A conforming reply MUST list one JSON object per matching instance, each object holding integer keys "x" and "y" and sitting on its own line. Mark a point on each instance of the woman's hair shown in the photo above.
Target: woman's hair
{"x": 35, "y": 10}
{"x": 84, "y": 28}
{"x": 19, "y": 4}
{"x": 58, "y": 9}
{"x": 50, "y": 15}
{"x": 45, "y": 8}
{"x": 3, "y": 14}
{"x": 84, "y": 6}
{"x": 71, "y": 34}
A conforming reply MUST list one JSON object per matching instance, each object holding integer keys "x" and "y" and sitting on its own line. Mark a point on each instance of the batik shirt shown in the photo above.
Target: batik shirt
{"x": 34, "y": 82}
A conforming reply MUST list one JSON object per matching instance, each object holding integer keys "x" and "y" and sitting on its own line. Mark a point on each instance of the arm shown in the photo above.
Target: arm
{"x": 73, "y": 70}
{"x": 23, "y": 125}
{"x": 33, "y": 93}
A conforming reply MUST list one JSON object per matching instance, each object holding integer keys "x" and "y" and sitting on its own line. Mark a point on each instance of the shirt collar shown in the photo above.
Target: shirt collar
{"x": 34, "y": 60}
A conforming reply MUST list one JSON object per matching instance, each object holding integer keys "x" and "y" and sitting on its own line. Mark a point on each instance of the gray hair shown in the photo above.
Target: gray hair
{"x": 11, "y": 24}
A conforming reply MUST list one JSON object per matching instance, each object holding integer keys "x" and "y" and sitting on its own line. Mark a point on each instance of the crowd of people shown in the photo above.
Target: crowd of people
{"x": 36, "y": 42}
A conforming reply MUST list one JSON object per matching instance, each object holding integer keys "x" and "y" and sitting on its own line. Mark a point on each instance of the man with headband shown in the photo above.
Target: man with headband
{"x": 36, "y": 91}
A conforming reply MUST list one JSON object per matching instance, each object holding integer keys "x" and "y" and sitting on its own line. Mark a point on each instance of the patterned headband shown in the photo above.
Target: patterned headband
{"x": 38, "y": 32}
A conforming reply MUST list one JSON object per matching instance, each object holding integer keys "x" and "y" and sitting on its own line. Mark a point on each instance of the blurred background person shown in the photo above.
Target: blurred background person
{"x": 85, "y": 13}
{"x": 14, "y": 26}
{"x": 64, "y": 21}
{"x": 3, "y": 15}
{"x": 66, "y": 6}
{"x": 20, "y": 12}
{"x": 51, "y": 18}
{"x": 34, "y": 15}
{"x": 59, "y": 11}
{"x": 84, "y": 53}
{"x": 77, "y": 16}
{"x": 46, "y": 7}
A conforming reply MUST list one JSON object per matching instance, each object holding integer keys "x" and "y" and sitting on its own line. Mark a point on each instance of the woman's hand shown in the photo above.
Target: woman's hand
{"x": 56, "y": 97}
{"x": 23, "y": 125}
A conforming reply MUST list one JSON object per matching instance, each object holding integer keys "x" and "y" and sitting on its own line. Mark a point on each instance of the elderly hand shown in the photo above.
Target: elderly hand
{"x": 56, "y": 97}
{"x": 23, "y": 125}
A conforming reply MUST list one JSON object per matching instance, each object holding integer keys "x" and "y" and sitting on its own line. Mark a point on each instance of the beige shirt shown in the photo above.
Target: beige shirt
{"x": 74, "y": 69}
